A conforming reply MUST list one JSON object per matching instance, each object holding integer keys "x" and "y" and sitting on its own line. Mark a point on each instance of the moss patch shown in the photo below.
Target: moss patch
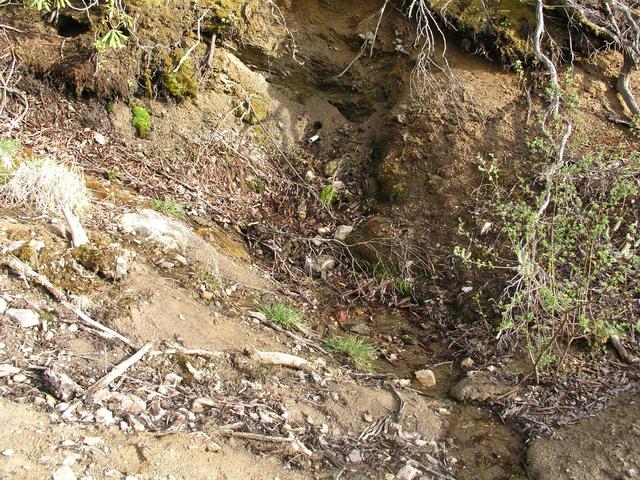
{"x": 179, "y": 83}
{"x": 141, "y": 120}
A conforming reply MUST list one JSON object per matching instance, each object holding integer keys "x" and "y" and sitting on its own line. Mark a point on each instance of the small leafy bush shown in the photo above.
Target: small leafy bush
{"x": 329, "y": 195}
{"x": 283, "y": 315}
{"x": 572, "y": 256}
{"x": 360, "y": 352}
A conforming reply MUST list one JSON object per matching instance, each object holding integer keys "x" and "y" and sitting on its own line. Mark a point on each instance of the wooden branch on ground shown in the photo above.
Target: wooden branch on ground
{"x": 624, "y": 354}
{"x": 78, "y": 234}
{"x": 282, "y": 359}
{"x": 257, "y": 437}
{"x": 119, "y": 369}
{"x": 26, "y": 272}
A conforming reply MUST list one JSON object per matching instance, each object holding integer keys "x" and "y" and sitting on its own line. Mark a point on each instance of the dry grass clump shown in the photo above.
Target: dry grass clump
{"x": 44, "y": 186}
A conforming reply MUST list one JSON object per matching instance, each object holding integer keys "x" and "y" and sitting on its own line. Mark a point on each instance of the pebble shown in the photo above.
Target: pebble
{"x": 426, "y": 377}
{"x": 93, "y": 441}
{"x": 355, "y": 456}
{"x": 99, "y": 138}
{"x": 181, "y": 260}
{"x": 342, "y": 232}
{"x": 8, "y": 452}
{"x": 309, "y": 176}
{"x": 104, "y": 416}
{"x": 167, "y": 265}
{"x": 408, "y": 472}
{"x": 6, "y": 370}
{"x": 19, "y": 378}
{"x": 25, "y": 318}
{"x": 467, "y": 363}
{"x": 64, "y": 473}
{"x": 206, "y": 295}
{"x": 73, "y": 327}
{"x": 3, "y": 305}
{"x": 404, "y": 382}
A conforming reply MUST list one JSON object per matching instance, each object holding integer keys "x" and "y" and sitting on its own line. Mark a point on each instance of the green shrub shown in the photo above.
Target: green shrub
{"x": 360, "y": 352}
{"x": 329, "y": 195}
{"x": 141, "y": 120}
{"x": 571, "y": 256}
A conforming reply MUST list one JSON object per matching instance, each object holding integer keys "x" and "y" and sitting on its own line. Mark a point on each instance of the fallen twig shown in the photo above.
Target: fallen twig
{"x": 78, "y": 234}
{"x": 119, "y": 369}
{"x": 25, "y": 271}
{"x": 281, "y": 359}
{"x": 622, "y": 351}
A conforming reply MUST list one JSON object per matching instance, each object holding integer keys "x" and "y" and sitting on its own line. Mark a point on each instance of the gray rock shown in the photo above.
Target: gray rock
{"x": 426, "y": 377}
{"x": 355, "y": 456}
{"x": 104, "y": 416}
{"x": 7, "y": 370}
{"x": 59, "y": 384}
{"x": 3, "y": 305}
{"x": 24, "y": 318}
{"x": 408, "y": 472}
{"x": 342, "y": 232}
{"x": 64, "y": 473}
{"x": 478, "y": 388}
{"x": 360, "y": 329}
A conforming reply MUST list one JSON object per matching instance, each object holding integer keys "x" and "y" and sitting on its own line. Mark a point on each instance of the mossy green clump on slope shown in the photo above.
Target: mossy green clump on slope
{"x": 498, "y": 28}
{"x": 178, "y": 78}
{"x": 141, "y": 120}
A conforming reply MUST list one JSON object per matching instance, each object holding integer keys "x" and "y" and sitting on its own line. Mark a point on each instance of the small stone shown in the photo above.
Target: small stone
{"x": 408, "y": 472}
{"x": 166, "y": 265}
{"x": 360, "y": 329}
{"x": 64, "y": 473}
{"x": 201, "y": 404}
{"x": 404, "y": 382}
{"x": 342, "y": 232}
{"x": 6, "y": 370}
{"x": 36, "y": 245}
{"x": 3, "y": 305}
{"x": 99, "y": 138}
{"x": 73, "y": 328}
{"x": 367, "y": 417}
{"x": 70, "y": 459}
{"x": 25, "y": 318}
{"x": 467, "y": 363}
{"x": 632, "y": 472}
{"x": 93, "y": 441}
{"x": 19, "y": 378}
{"x": 426, "y": 377}
{"x": 309, "y": 176}
{"x": 68, "y": 443}
{"x": 8, "y": 452}
{"x": 62, "y": 406}
{"x": 181, "y": 260}
{"x": 206, "y": 295}
{"x": 355, "y": 456}
{"x": 104, "y": 416}
{"x": 258, "y": 316}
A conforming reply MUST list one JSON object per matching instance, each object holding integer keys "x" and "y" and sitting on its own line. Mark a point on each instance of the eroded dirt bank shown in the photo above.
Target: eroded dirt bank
{"x": 271, "y": 124}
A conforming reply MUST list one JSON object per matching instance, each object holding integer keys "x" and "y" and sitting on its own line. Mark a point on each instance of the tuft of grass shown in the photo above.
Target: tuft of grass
{"x": 361, "y": 353}
{"x": 141, "y": 120}
{"x": 169, "y": 206}
{"x": 283, "y": 315}
{"x": 44, "y": 186}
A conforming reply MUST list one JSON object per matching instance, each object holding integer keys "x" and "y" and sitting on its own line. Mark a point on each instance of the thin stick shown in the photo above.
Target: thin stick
{"x": 78, "y": 234}
{"x": 193, "y": 47}
{"x": 25, "y": 271}
{"x": 256, "y": 437}
{"x": 119, "y": 369}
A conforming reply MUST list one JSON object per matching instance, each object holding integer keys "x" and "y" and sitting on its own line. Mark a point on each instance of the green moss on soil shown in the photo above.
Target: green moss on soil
{"x": 141, "y": 120}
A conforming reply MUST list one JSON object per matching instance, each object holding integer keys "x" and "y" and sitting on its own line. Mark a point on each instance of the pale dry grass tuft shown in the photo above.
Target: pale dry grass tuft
{"x": 45, "y": 186}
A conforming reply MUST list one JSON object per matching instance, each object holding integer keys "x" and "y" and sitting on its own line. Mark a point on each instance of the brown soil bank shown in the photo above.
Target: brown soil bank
{"x": 604, "y": 447}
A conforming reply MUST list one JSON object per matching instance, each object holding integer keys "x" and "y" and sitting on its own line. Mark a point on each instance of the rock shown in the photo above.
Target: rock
{"x": 166, "y": 265}
{"x": 59, "y": 384}
{"x": 426, "y": 377}
{"x": 467, "y": 363}
{"x": 19, "y": 378}
{"x": 478, "y": 388}
{"x": 181, "y": 260}
{"x": 258, "y": 315}
{"x": 3, "y": 305}
{"x": 24, "y": 318}
{"x": 104, "y": 416}
{"x": 331, "y": 168}
{"x": 342, "y": 232}
{"x": 317, "y": 267}
{"x": 360, "y": 329}
{"x": 7, "y": 370}
{"x": 93, "y": 441}
{"x": 408, "y": 472}
{"x": 404, "y": 382}
{"x": 309, "y": 176}
{"x": 201, "y": 404}
{"x": 64, "y": 473}
{"x": 355, "y": 456}
{"x": 338, "y": 186}
{"x": 8, "y": 452}
{"x": 206, "y": 295}
{"x": 36, "y": 245}
{"x": 99, "y": 138}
